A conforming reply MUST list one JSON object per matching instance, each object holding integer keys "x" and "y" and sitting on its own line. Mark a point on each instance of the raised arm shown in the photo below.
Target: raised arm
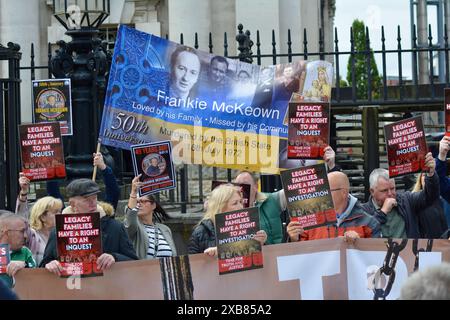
{"x": 22, "y": 199}
{"x": 430, "y": 192}
{"x": 112, "y": 191}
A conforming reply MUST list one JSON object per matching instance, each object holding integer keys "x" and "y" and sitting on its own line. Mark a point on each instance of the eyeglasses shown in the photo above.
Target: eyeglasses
{"x": 21, "y": 231}
{"x": 145, "y": 201}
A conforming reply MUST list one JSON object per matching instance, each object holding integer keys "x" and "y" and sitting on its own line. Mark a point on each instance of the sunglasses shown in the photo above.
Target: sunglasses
{"x": 141, "y": 201}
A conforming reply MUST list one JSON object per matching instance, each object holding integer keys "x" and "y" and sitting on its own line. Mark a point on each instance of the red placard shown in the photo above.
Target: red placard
{"x": 308, "y": 129}
{"x": 42, "y": 151}
{"x": 447, "y": 111}
{"x": 237, "y": 249}
{"x": 79, "y": 243}
{"x": 153, "y": 161}
{"x": 406, "y": 146}
{"x": 4, "y": 257}
{"x": 308, "y": 196}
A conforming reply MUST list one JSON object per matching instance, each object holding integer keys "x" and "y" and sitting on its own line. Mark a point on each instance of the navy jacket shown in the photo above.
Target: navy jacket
{"x": 409, "y": 205}
{"x": 115, "y": 241}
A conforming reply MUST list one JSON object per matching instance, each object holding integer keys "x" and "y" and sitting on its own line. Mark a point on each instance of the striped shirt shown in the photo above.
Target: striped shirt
{"x": 162, "y": 247}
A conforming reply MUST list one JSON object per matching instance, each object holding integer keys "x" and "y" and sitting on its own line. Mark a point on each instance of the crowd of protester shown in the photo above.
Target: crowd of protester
{"x": 31, "y": 233}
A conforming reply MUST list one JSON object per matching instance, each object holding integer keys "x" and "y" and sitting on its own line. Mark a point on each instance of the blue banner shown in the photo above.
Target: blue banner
{"x": 218, "y": 107}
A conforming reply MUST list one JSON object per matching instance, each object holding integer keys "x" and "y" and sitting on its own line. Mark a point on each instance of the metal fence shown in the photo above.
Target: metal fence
{"x": 9, "y": 120}
{"x": 356, "y": 121}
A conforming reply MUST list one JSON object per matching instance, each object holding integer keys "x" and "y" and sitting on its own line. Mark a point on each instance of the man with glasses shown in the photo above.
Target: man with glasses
{"x": 398, "y": 212}
{"x": 272, "y": 206}
{"x": 116, "y": 245}
{"x": 352, "y": 220}
{"x": 13, "y": 232}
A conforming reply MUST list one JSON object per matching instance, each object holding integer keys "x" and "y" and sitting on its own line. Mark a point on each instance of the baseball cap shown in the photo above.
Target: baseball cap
{"x": 82, "y": 187}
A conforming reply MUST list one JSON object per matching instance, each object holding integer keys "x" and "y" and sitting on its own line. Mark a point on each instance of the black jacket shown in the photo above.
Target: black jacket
{"x": 203, "y": 237}
{"x": 432, "y": 221}
{"x": 115, "y": 241}
{"x": 409, "y": 205}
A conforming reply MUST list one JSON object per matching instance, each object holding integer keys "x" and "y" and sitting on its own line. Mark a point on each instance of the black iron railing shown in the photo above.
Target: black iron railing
{"x": 406, "y": 96}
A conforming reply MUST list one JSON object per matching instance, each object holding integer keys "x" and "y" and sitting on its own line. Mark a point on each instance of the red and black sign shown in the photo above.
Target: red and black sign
{"x": 236, "y": 248}
{"x": 153, "y": 161}
{"x": 447, "y": 111}
{"x": 406, "y": 146}
{"x": 308, "y": 196}
{"x": 308, "y": 130}
{"x": 4, "y": 257}
{"x": 42, "y": 151}
{"x": 79, "y": 243}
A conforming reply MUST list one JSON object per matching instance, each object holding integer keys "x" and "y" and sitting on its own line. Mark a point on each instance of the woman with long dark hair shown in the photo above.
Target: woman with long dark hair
{"x": 143, "y": 217}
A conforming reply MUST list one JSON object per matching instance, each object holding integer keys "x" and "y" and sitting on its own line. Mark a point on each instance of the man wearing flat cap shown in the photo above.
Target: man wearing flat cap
{"x": 116, "y": 245}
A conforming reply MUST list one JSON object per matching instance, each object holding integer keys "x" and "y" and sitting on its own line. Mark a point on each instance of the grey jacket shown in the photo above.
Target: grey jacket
{"x": 138, "y": 236}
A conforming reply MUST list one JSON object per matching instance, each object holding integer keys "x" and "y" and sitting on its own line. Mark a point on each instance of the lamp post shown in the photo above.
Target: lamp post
{"x": 269, "y": 183}
{"x": 84, "y": 61}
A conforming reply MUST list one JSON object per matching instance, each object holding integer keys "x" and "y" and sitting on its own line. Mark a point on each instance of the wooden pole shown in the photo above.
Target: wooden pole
{"x": 94, "y": 174}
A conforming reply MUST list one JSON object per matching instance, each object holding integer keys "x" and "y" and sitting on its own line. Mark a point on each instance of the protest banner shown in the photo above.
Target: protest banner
{"x": 42, "y": 151}
{"x": 308, "y": 196}
{"x": 52, "y": 102}
{"x": 329, "y": 269}
{"x": 79, "y": 243}
{"x": 406, "y": 146}
{"x": 233, "y": 121}
{"x": 243, "y": 187}
{"x": 308, "y": 130}
{"x": 153, "y": 161}
{"x": 447, "y": 111}
{"x": 4, "y": 257}
{"x": 236, "y": 248}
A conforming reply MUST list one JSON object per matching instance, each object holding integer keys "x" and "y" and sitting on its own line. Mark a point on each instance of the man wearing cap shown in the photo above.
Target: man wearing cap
{"x": 116, "y": 245}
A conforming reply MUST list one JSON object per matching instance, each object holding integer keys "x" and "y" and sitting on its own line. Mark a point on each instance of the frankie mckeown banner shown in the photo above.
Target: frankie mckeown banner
{"x": 42, "y": 151}
{"x": 236, "y": 248}
{"x": 308, "y": 196}
{"x": 153, "y": 161}
{"x": 309, "y": 129}
{"x": 406, "y": 146}
{"x": 52, "y": 102}
{"x": 79, "y": 243}
{"x": 216, "y": 111}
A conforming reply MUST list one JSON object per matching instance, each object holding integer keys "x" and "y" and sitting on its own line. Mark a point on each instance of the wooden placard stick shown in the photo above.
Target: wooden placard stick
{"x": 94, "y": 174}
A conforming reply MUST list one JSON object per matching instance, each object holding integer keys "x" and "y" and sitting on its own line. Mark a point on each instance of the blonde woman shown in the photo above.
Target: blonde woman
{"x": 224, "y": 198}
{"x": 42, "y": 221}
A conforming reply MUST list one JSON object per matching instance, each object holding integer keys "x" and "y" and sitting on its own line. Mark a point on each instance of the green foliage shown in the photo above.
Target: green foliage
{"x": 343, "y": 83}
{"x": 361, "y": 76}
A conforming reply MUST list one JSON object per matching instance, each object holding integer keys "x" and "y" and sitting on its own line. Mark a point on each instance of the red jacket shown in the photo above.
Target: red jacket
{"x": 357, "y": 220}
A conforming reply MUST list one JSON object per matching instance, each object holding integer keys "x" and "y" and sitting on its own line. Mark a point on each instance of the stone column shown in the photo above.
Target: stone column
{"x": 19, "y": 23}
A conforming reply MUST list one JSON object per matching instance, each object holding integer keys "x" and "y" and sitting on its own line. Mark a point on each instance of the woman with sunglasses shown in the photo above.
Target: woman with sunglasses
{"x": 151, "y": 239}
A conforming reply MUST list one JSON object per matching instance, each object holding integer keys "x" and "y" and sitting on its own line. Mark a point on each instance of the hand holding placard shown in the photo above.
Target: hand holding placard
{"x": 444, "y": 147}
